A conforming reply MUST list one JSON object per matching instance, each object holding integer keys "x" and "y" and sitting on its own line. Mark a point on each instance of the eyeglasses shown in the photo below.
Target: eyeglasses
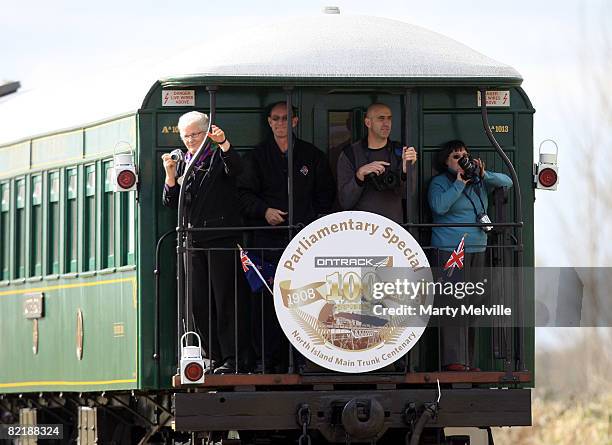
{"x": 192, "y": 135}
{"x": 279, "y": 118}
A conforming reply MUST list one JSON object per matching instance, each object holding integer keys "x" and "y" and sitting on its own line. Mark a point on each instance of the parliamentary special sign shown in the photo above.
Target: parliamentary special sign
{"x": 328, "y": 291}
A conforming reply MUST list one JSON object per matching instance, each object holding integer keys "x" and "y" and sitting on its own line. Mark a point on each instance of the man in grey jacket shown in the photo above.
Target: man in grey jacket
{"x": 372, "y": 172}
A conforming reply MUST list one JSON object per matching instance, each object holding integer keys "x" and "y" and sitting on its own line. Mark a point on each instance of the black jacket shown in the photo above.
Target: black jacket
{"x": 211, "y": 194}
{"x": 264, "y": 183}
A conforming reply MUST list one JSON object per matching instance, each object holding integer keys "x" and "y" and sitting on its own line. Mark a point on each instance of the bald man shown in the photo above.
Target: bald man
{"x": 372, "y": 172}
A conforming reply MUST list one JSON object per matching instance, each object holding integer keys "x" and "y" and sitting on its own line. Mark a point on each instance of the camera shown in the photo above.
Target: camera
{"x": 389, "y": 180}
{"x": 177, "y": 155}
{"x": 470, "y": 168}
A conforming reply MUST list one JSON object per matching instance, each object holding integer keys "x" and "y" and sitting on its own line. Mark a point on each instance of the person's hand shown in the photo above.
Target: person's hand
{"x": 377, "y": 167}
{"x": 481, "y": 165}
{"x": 170, "y": 168}
{"x": 218, "y": 135}
{"x": 409, "y": 154}
{"x": 169, "y": 164}
{"x": 461, "y": 178}
{"x": 275, "y": 216}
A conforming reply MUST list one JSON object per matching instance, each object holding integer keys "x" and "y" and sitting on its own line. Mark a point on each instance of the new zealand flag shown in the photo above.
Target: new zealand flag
{"x": 258, "y": 272}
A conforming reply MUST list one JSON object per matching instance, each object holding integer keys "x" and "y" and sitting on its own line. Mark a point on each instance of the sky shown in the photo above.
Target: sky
{"x": 559, "y": 47}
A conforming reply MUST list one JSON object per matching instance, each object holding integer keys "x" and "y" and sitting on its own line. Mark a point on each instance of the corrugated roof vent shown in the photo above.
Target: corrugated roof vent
{"x": 331, "y": 10}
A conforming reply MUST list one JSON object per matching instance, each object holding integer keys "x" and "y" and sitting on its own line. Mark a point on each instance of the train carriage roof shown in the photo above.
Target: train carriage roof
{"x": 327, "y": 49}
{"x": 339, "y": 46}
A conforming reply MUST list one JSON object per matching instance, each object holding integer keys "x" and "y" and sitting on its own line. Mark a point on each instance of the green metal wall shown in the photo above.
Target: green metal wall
{"x": 109, "y": 347}
{"x": 97, "y": 278}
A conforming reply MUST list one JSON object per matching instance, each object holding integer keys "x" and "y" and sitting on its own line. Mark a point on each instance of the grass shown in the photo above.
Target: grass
{"x": 558, "y": 422}
{"x": 572, "y": 403}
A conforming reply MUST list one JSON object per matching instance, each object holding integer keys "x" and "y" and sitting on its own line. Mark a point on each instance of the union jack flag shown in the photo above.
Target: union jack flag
{"x": 456, "y": 258}
{"x": 245, "y": 260}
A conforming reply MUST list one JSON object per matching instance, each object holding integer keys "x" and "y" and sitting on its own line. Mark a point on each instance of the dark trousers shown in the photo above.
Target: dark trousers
{"x": 221, "y": 301}
{"x": 269, "y": 341}
{"x": 457, "y": 341}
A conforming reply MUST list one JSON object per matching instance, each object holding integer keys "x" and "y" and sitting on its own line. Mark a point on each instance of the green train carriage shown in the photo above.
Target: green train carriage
{"x": 78, "y": 301}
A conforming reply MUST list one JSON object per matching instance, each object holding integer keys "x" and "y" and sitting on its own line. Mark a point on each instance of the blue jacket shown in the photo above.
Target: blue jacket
{"x": 450, "y": 205}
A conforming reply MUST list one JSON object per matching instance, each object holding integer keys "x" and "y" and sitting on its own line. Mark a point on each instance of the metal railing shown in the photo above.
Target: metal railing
{"x": 260, "y": 345}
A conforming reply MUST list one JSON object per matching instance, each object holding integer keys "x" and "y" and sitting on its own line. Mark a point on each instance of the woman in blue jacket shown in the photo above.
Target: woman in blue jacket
{"x": 455, "y": 197}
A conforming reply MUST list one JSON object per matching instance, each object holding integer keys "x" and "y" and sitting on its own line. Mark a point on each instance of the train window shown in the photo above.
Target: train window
{"x": 54, "y": 223}
{"x": 20, "y": 229}
{"x": 339, "y": 127}
{"x": 36, "y": 227}
{"x": 5, "y": 235}
{"x": 72, "y": 221}
{"x": 89, "y": 244}
{"x": 340, "y": 134}
{"x": 108, "y": 212}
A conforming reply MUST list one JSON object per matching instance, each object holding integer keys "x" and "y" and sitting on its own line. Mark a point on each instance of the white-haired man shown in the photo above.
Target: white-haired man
{"x": 211, "y": 202}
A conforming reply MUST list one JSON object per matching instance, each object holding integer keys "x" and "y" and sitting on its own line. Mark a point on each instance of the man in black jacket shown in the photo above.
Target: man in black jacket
{"x": 263, "y": 186}
{"x": 211, "y": 201}
{"x": 264, "y": 200}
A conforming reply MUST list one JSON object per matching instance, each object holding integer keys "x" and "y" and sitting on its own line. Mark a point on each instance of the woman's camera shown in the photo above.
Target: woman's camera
{"x": 470, "y": 168}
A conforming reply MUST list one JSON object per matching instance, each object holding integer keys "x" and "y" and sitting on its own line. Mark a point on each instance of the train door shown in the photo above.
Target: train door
{"x": 337, "y": 118}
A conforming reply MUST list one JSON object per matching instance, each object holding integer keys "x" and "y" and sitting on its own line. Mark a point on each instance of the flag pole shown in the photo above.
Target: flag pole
{"x": 265, "y": 283}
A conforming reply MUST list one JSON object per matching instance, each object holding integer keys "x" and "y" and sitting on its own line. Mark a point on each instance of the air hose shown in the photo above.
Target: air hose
{"x": 430, "y": 412}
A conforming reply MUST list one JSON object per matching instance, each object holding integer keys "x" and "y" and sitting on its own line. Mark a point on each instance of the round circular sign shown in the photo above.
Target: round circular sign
{"x": 344, "y": 289}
